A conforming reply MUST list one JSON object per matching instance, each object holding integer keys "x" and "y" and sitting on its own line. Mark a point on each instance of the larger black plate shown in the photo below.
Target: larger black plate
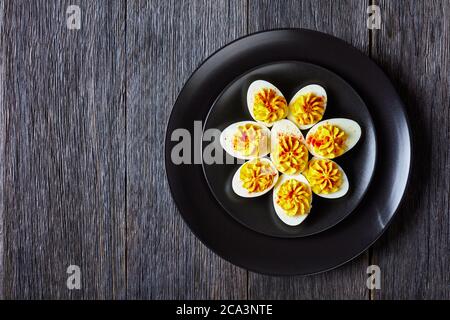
{"x": 343, "y": 102}
{"x": 330, "y": 248}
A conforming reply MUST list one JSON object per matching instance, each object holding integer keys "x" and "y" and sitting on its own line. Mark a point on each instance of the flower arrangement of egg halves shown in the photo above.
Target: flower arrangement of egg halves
{"x": 277, "y": 153}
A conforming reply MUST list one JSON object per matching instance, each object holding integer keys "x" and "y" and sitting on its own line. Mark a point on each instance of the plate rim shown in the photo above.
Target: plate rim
{"x": 354, "y": 91}
{"x": 394, "y": 212}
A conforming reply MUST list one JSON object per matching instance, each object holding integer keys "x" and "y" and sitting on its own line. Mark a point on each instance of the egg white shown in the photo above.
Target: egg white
{"x": 312, "y": 88}
{"x": 253, "y": 89}
{"x": 351, "y": 128}
{"x": 343, "y": 188}
{"x": 242, "y": 192}
{"x": 286, "y": 127}
{"x": 294, "y": 220}
{"x": 283, "y": 127}
{"x": 226, "y": 140}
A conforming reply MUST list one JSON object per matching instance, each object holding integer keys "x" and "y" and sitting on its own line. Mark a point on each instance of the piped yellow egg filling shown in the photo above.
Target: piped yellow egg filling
{"x": 248, "y": 140}
{"x": 294, "y": 197}
{"x": 269, "y": 106}
{"x": 308, "y": 108}
{"x": 256, "y": 176}
{"x": 291, "y": 155}
{"x": 324, "y": 176}
{"x": 328, "y": 141}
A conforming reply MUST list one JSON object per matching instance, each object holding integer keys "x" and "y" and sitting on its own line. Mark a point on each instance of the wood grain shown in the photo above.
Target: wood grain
{"x": 64, "y": 171}
{"x": 166, "y": 41}
{"x": 82, "y": 121}
{"x": 347, "y": 20}
{"x": 413, "y": 47}
{"x": 2, "y": 145}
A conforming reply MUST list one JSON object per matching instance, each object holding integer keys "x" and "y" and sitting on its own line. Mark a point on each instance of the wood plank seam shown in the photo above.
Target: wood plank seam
{"x": 2, "y": 147}
{"x": 370, "y": 251}
{"x": 124, "y": 95}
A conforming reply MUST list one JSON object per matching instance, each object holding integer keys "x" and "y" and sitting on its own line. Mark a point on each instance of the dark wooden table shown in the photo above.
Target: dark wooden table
{"x": 82, "y": 120}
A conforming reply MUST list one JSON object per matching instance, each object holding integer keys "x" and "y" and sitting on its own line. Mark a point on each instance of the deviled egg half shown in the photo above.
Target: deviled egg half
{"x": 326, "y": 178}
{"x": 246, "y": 140}
{"x": 292, "y": 199}
{"x": 288, "y": 153}
{"x": 308, "y": 106}
{"x": 266, "y": 103}
{"x": 255, "y": 178}
{"x": 333, "y": 137}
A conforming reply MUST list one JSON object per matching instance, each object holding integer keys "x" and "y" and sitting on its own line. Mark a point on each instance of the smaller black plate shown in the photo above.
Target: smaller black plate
{"x": 258, "y": 213}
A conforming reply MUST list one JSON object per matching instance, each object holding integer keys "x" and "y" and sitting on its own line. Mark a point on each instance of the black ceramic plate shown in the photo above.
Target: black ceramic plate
{"x": 301, "y": 255}
{"x": 290, "y": 76}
